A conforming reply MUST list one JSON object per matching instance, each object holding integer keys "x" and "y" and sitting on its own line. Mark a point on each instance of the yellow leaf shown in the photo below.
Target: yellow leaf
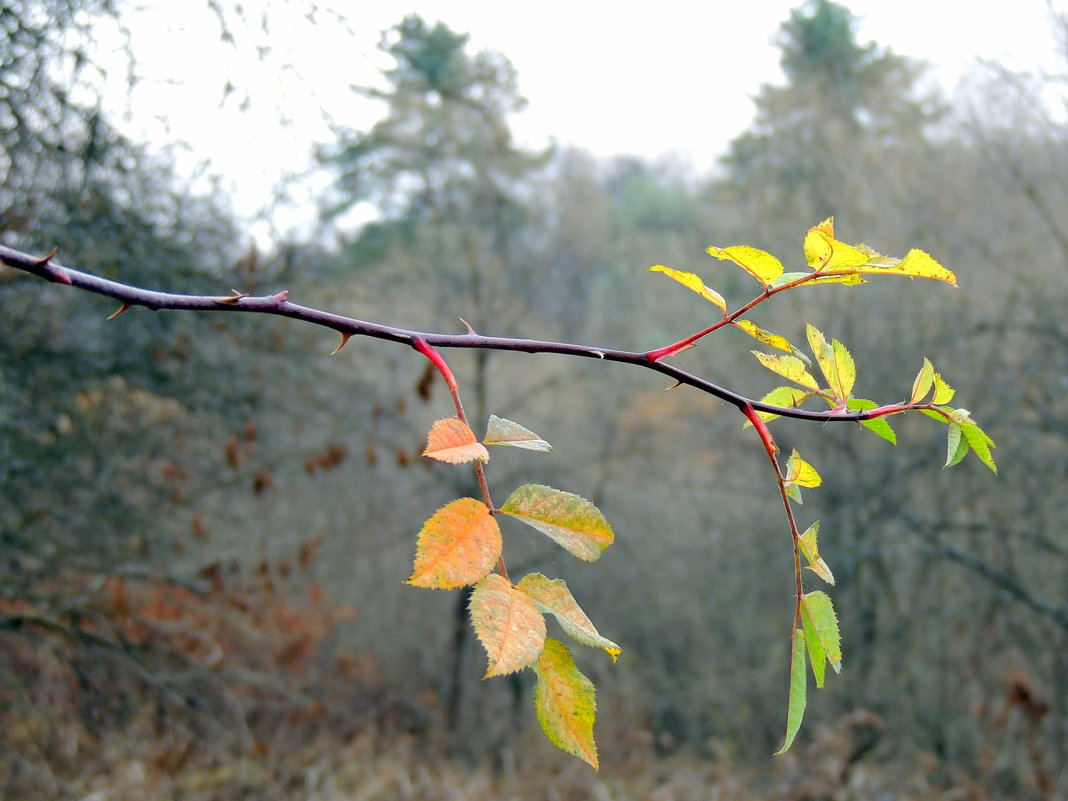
{"x": 827, "y": 255}
{"x": 811, "y": 552}
{"x": 835, "y": 361}
{"x": 768, "y": 338}
{"x": 452, "y": 440}
{"x": 457, "y": 546}
{"x": 789, "y": 367}
{"x": 566, "y": 702}
{"x": 569, "y": 520}
{"x": 555, "y": 598}
{"x": 508, "y": 624}
{"x": 692, "y": 281}
{"x": 761, "y": 265}
{"x": 801, "y": 473}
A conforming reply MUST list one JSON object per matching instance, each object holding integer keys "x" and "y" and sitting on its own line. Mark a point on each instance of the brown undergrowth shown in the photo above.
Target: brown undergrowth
{"x": 143, "y": 690}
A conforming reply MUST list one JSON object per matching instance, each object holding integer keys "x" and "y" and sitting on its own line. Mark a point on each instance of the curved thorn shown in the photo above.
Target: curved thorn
{"x": 470, "y": 330}
{"x": 344, "y": 341}
{"x": 118, "y": 311}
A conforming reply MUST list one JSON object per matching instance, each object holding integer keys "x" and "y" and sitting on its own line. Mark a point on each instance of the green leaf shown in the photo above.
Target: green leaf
{"x": 923, "y": 382}
{"x": 553, "y": 597}
{"x": 692, "y": 281}
{"x": 789, "y": 367}
{"x": 980, "y": 443}
{"x": 457, "y": 546}
{"x": 761, "y": 265}
{"x": 811, "y": 552}
{"x": 817, "y": 657}
{"x": 565, "y": 702}
{"x": 785, "y": 278}
{"x": 956, "y": 445}
{"x": 569, "y": 520}
{"x": 500, "y": 431}
{"x": 508, "y": 623}
{"x": 798, "y": 688}
{"x": 880, "y": 425}
{"x": 821, "y": 612}
{"x": 768, "y": 338}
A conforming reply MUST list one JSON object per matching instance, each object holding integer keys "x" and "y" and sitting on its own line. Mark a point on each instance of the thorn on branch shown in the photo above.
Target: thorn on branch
{"x": 470, "y": 330}
{"x": 233, "y": 299}
{"x": 44, "y": 262}
{"x": 118, "y": 311}
{"x": 344, "y": 341}
{"x": 280, "y": 298}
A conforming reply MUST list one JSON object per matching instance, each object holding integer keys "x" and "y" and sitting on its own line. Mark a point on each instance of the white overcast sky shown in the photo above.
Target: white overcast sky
{"x": 674, "y": 76}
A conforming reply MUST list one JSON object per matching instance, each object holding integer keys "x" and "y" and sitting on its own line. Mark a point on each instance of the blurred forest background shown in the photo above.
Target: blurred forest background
{"x": 205, "y": 521}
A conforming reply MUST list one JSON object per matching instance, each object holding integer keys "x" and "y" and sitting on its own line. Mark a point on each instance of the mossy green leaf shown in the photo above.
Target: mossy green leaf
{"x": 500, "y": 431}
{"x": 553, "y": 597}
{"x": 568, "y": 519}
{"x": 565, "y": 702}
{"x": 798, "y": 690}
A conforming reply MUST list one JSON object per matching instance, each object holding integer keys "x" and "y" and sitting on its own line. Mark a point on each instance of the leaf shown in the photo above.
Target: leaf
{"x": 818, "y": 606}
{"x": 781, "y": 396}
{"x": 880, "y": 425}
{"x": 923, "y": 382}
{"x": 956, "y": 445}
{"x": 830, "y": 257}
{"x": 817, "y": 657}
{"x": 801, "y": 473}
{"x": 500, "y": 431}
{"x": 694, "y": 282}
{"x": 835, "y": 361}
{"x": 943, "y": 392}
{"x": 457, "y": 546}
{"x": 565, "y": 702}
{"x": 789, "y": 367}
{"x": 768, "y": 338}
{"x": 553, "y": 597}
{"x": 827, "y": 255}
{"x": 798, "y": 688}
{"x": 569, "y": 520}
{"x": 811, "y": 552}
{"x": 761, "y": 265}
{"x": 848, "y": 280}
{"x": 980, "y": 443}
{"x": 452, "y": 440}
{"x": 508, "y": 624}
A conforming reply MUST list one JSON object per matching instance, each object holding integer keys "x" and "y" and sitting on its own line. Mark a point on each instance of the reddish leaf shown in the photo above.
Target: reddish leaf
{"x": 452, "y": 440}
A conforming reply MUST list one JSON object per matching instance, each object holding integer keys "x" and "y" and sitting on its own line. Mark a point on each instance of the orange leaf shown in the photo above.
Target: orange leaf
{"x": 452, "y": 440}
{"x": 508, "y": 624}
{"x": 457, "y": 546}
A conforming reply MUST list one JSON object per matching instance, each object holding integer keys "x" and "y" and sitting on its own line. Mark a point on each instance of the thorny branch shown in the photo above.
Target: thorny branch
{"x": 279, "y": 304}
